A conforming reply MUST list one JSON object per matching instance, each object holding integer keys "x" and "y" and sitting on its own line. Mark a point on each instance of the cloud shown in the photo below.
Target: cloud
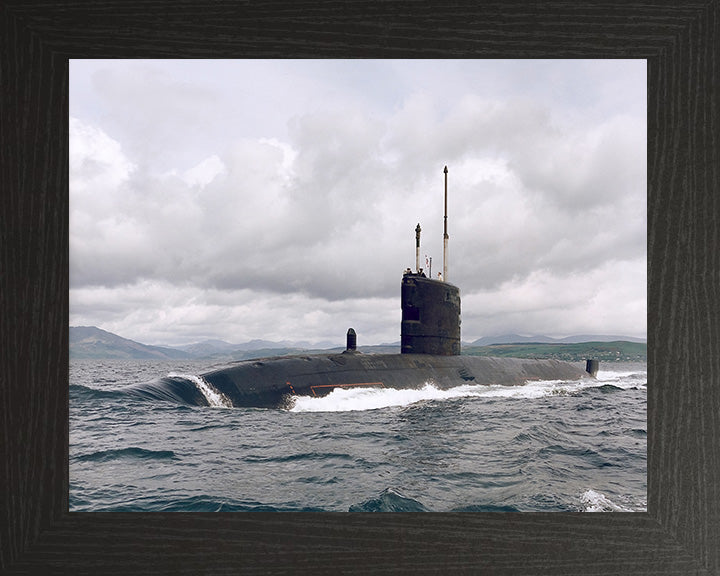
{"x": 244, "y": 210}
{"x": 561, "y": 304}
{"x": 158, "y": 312}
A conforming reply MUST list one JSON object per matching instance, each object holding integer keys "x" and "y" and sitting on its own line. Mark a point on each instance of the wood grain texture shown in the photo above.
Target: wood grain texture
{"x": 681, "y": 532}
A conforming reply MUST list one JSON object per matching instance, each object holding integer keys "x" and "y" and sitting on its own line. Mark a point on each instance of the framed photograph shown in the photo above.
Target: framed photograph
{"x": 236, "y": 226}
{"x": 114, "y": 503}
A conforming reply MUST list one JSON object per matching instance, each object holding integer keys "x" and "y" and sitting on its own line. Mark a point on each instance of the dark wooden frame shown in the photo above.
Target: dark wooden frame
{"x": 680, "y": 533}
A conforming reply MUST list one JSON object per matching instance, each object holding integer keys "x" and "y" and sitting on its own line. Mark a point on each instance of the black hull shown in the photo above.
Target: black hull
{"x": 272, "y": 382}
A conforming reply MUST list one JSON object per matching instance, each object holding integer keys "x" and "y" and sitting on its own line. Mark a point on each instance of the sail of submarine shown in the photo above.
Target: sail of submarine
{"x": 430, "y": 353}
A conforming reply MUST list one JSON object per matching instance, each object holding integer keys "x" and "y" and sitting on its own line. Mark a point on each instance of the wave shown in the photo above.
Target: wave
{"x": 389, "y": 500}
{"x": 392, "y": 500}
{"x": 185, "y": 389}
{"x": 213, "y": 397}
{"x": 87, "y": 393}
{"x": 321, "y": 456}
{"x": 200, "y": 503}
{"x": 132, "y": 452}
{"x": 593, "y": 501}
{"x": 606, "y": 389}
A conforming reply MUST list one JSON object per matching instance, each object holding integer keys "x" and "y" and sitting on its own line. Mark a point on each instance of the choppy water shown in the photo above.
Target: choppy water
{"x": 545, "y": 446}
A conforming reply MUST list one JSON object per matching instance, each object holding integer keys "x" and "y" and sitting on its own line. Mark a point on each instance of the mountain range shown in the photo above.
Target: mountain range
{"x": 92, "y": 342}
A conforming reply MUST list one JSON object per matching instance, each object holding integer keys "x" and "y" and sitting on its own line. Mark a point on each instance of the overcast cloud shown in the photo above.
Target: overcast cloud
{"x": 278, "y": 199}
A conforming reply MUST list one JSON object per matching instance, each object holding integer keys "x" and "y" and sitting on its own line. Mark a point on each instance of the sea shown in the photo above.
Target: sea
{"x": 565, "y": 446}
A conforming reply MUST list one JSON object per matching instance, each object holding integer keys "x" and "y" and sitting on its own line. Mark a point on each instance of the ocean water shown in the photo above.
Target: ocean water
{"x": 544, "y": 446}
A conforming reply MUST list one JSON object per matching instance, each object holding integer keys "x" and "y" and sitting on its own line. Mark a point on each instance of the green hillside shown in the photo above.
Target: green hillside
{"x": 619, "y": 351}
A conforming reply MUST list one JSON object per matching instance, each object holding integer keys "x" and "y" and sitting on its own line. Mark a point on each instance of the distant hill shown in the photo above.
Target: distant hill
{"x": 618, "y": 351}
{"x": 207, "y": 348}
{"x": 268, "y": 344}
{"x": 92, "y": 342}
{"x": 516, "y": 339}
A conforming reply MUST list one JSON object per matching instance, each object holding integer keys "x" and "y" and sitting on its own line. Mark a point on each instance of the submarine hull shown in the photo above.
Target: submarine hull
{"x": 273, "y": 382}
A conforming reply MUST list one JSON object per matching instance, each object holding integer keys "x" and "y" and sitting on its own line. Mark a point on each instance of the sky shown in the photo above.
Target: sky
{"x": 278, "y": 199}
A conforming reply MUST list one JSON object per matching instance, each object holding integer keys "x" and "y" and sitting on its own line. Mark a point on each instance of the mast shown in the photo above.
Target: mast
{"x": 445, "y": 234}
{"x": 417, "y": 249}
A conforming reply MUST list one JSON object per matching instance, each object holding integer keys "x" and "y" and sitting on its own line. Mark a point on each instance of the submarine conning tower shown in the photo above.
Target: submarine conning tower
{"x": 430, "y": 308}
{"x": 430, "y": 316}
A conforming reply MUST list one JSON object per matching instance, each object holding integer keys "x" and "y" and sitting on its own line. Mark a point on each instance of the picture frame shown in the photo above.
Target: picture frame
{"x": 680, "y": 533}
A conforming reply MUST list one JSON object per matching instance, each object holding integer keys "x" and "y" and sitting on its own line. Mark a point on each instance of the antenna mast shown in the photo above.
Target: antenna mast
{"x": 417, "y": 249}
{"x": 445, "y": 235}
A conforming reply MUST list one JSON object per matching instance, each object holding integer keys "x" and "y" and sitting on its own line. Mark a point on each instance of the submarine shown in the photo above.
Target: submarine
{"x": 430, "y": 353}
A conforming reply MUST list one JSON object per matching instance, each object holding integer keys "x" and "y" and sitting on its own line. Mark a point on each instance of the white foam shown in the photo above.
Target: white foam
{"x": 623, "y": 380}
{"x": 353, "y": 399}
{"x": 538, "y": 389}
{"x": 214, "y": 397}
{"x": 597, "y": 502}
{"x": 533, "y": 389}
{"x": 542, "y": 388}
